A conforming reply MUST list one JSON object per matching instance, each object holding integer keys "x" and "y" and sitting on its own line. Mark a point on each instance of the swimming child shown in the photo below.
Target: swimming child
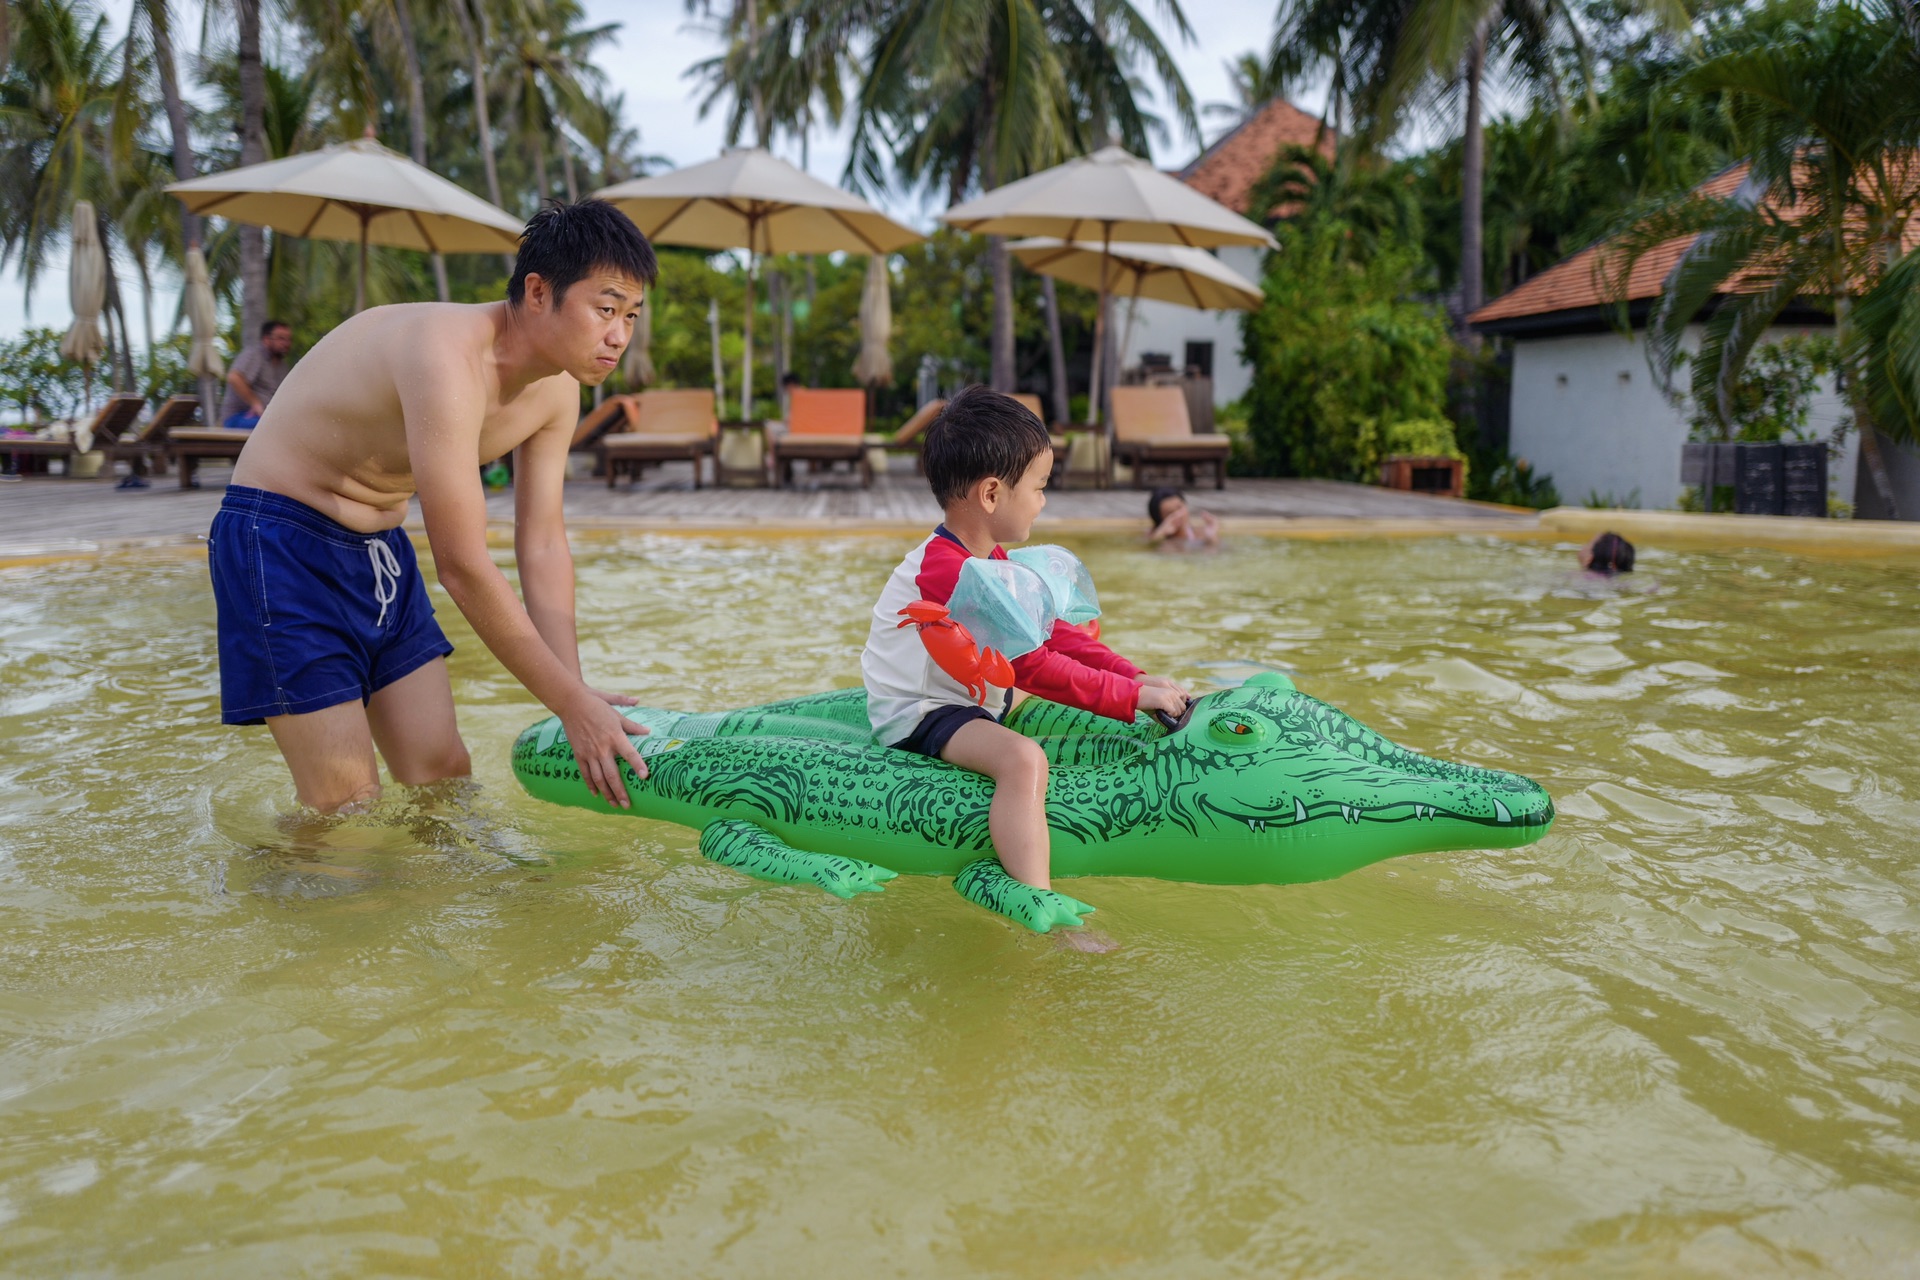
{"x": 1177, "y": 526}
{"x": 987, "y": 459}
{"x": 1607, "y": 554}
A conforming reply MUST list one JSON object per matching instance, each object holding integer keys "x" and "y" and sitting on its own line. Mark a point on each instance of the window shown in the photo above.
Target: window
{"x": 1200, "y": 358}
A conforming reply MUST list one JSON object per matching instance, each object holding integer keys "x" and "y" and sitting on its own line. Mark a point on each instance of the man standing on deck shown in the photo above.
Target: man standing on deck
{"x": 326, "y": 633}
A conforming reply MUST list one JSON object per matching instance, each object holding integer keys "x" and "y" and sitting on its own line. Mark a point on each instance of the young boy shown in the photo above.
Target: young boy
{"x": 987, "y": 459}
{"x": 1177, "y": 526}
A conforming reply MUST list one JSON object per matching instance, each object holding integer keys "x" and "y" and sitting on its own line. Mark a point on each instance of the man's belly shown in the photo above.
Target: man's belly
{"x": 364, "y": 496}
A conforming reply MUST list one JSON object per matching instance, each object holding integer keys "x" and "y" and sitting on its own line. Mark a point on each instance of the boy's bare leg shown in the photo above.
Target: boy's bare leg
{"x": 330, "y": 753}
{"x": 413, "y": 725}
{"x": 1018, "y": 819}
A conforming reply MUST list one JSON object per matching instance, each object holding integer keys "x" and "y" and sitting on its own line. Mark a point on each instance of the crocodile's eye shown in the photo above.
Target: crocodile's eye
{"x": 1235, "y": 730}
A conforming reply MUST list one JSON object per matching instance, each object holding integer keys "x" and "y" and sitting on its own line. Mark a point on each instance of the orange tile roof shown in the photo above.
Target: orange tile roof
{"x": 1584, "y": 280}
{"x": 1227, "y": 170}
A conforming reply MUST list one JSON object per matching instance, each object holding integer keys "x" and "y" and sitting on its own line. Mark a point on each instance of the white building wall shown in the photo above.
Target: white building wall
{"x": 1166, "y": 328}
{"x": 1587, "y": 412}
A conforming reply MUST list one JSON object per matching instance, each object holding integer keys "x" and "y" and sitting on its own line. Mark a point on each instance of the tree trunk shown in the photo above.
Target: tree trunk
{"x": 1056, "y": 351}
{"x": 417, "y": 117}
{"x": 1472, "y": 179}
{"x": 482, "y": 116}
{"x": 161, "y": 23}
{"x": 539, "y": 140}
{"x": 1000, "y": 374}
{"x": 253, "y": 150}
{"x": 566, "y": 167}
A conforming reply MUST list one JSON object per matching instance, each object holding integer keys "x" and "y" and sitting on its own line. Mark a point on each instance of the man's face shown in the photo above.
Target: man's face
{"x": 588, "y": 330}
{"x": 278, "y": 341}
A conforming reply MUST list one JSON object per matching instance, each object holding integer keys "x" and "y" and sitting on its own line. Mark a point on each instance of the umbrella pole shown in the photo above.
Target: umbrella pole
{"x": 1097, "y": 393}
{"x": 746, "y": 366}
{"x": 360, "y": 281}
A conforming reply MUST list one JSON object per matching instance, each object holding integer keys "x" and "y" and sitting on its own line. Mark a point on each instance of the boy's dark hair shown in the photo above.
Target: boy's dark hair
{"x": 1612, "y": 554}
{"x": 565, "y": 243}
{"x": 980, "y": 433}
{"x": 1158, "y": 499}
{"x": 266, "y": 330}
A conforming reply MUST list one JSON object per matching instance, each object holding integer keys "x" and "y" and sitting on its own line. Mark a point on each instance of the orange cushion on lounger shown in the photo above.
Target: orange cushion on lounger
{"x": 813, "y": 412}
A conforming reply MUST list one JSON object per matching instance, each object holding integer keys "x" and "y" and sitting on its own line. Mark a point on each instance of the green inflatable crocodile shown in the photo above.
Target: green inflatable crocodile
{"x": 1260, "y": 785}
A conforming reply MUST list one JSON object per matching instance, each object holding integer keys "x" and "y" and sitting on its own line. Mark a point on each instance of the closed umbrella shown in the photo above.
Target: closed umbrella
{"x": 1107, "y": 197}
{"x": 749, "y": 199}
{"x": 87, "y": 288}
{"x": 873, "y": 367}
{"x": 639, "y": 362}
{"x": 204, "y": 358}
{"x": 356, "y": 191}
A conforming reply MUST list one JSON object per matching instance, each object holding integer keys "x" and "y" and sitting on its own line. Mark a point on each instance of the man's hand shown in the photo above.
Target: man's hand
{"x": 1155, "y": 697}
{"x": 616, "y": 700}
{"x": 601, "y": 738}
{"x": 1162, "y": 682}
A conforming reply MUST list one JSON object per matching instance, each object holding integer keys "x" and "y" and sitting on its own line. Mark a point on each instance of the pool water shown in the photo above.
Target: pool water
{"x": 469, "y": 1033}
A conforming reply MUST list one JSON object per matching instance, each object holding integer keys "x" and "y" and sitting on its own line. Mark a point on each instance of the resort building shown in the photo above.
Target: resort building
{"x": 1209, "y": 341}
{"x": 1586, "y": 408}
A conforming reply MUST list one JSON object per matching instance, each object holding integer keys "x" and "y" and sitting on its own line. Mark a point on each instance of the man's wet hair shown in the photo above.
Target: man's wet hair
{"x": 1612, "y": 554}
{"x": 566, "y": 243}
{"x": 267, "y": 327}
{"x": 980, "y": 434}
{"x": 1158, "y": 499}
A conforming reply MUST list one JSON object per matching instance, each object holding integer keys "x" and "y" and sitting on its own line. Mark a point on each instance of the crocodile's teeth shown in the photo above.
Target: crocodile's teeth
{"x": 1500, "y": 812}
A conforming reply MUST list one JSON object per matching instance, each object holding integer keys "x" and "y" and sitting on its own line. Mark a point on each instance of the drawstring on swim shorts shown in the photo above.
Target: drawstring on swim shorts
{"x": 386, "y": 576}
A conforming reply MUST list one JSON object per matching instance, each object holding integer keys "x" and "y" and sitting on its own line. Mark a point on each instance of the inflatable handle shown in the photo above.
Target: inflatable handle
{"x": 1174, "y": 724}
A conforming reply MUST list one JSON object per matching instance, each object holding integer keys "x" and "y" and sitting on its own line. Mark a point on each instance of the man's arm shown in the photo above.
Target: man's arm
{"x": 443, "y": 406}
{"x": 540, "y": 539}
{"x": 243, "y": 388}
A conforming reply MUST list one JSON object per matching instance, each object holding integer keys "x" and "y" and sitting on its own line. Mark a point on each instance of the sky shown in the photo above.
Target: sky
{"x": 655, "y": 45}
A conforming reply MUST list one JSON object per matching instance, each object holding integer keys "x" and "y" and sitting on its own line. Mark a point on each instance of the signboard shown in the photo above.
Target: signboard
{"x": 1803, "y": 479}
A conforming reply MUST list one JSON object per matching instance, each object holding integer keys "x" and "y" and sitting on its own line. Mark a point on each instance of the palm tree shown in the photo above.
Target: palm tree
{"x": 545, "y": 69}
{"x": 66, "y": 132}
{"x": 253, "y": 150}
{"x": 1254, "y": 82}
{"x": 966, "y": 93}
{"x": 1825, "y": 107}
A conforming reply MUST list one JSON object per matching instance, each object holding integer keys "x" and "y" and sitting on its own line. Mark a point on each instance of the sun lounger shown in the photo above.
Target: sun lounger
{"x": 911, "y": 435}
{"x": 824, "y": 426}
{"x": 147, "y": 448}
{"x": 665, "y": 426}
{"x": 612, "y": 416}
{"x": 189, "y": 446}
{"x": 114, "y": 417}
{"x": 1151, "y": 428}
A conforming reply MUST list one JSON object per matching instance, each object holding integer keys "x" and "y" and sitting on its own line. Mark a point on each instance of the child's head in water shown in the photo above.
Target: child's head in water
{"x": 1163, "y": 503}
{"x": 1608, "y": 553}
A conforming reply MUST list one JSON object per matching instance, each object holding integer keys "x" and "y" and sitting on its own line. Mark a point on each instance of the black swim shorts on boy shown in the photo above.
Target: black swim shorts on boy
{"x": 311, "y": 613}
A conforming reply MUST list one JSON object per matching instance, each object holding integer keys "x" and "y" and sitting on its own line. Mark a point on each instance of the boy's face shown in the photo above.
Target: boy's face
{"x": 588, "y": 329}
{"x": 1011, "y": 509}
{"x": 1174, "y": 509}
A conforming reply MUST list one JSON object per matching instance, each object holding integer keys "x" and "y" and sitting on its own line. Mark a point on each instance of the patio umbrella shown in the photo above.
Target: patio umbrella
{"x": 1110, "y": 196}
{"x": 749, "y": 199}
{"x": 873, "y": 367}
{"x": 87, "y": 288}
{"x": 356, "y": 191}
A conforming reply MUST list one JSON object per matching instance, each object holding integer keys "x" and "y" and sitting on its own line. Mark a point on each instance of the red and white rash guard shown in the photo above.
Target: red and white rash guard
{"x": 904, "y": 684}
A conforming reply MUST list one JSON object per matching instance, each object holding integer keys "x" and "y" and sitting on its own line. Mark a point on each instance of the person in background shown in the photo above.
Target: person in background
{"x": 1177, "y": 526}
{"x": 255, "y": 375}
{"x": 1607, "y": 554}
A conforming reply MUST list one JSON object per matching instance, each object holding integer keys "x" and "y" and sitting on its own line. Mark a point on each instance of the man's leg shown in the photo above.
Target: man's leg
{"x": 1018, "y": 819}
{"x": 413, "y": 724}
{"x": 330, "y": 752}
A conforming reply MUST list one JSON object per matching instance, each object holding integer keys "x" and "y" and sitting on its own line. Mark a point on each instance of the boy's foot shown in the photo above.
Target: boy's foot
{"x": 985, "y": 883}
{"x": 759, "y": 853}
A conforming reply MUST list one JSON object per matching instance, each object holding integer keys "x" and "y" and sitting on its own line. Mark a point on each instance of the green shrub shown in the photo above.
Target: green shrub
{"x": 1426, "y": 438}
{"x": 1337, "y": 350}
{"x": 1514, "y": 482}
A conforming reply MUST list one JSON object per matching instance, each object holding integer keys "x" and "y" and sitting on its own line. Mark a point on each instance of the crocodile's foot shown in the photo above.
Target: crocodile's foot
{"x": 759, "y": 853}
{"x": 984, "y": 882}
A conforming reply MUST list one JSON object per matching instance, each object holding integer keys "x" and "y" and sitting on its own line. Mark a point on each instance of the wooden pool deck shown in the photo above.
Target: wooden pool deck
{"x": 50, "y": 515}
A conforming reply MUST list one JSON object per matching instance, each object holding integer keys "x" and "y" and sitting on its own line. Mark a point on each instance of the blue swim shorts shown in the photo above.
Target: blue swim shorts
{"x": 311, "y": 613}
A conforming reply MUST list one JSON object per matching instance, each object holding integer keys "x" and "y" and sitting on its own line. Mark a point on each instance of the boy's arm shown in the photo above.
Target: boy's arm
{"x": 1058, "y": 678}
{"x": 443, "y": 407}
{"x": 1087, "y": 651}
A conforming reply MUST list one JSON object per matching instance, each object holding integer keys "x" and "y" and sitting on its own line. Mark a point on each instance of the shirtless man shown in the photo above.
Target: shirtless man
{"x": 326, "y": 633}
